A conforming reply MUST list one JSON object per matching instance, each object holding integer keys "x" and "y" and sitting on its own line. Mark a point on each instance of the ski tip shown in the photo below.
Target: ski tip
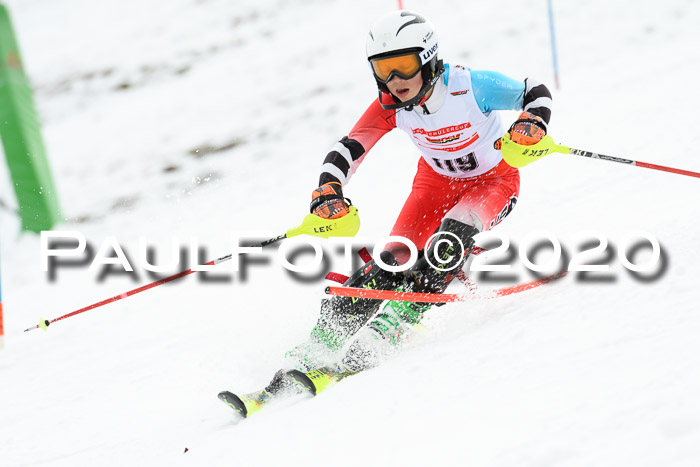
{"x": 303, "y": 380}
{"x": 234, "y": 402}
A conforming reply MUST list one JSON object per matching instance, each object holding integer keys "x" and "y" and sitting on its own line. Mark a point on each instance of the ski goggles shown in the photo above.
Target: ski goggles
{"x": 404, "y": 66}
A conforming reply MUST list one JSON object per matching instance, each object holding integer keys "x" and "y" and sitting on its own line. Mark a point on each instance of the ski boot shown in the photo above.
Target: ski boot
{"x": 281, "y": 385}
{"x": 384, "y": 334}
{"x": 342, "y": 317}
{"x": 398, "y": 320}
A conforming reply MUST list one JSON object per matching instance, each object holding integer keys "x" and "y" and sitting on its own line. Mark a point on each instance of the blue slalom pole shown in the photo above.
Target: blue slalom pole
{"x": 555, "y": 61}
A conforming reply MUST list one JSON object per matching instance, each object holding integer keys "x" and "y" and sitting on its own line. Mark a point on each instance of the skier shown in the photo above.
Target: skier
{"x": 462, "y": 185}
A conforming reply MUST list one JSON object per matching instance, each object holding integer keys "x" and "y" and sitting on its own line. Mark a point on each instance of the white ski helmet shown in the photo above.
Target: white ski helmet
{"x": 401, "y": 43}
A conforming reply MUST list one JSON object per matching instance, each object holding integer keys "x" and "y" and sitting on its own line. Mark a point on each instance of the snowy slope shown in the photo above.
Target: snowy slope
{"x": 201, "y": 118}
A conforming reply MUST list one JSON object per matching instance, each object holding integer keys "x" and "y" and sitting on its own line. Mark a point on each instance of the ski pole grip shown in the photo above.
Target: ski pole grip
{"x": 346, "y": 226}
{"x": 518, "y": 155}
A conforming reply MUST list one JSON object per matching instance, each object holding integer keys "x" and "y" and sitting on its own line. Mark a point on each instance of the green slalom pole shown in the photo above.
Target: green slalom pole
{"x": 21, "y": 138}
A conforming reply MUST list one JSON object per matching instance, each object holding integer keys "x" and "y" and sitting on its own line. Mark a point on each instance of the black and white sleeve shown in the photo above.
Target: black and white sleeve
{"x": 341, "y": 161}
{"x": 537, "y": 99}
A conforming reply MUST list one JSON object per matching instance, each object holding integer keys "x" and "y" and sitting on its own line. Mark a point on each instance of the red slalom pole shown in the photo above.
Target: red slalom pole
{"x": 357, "y": 292}
{"x": 44, "y": 323}
{"x": 375, "y": 294}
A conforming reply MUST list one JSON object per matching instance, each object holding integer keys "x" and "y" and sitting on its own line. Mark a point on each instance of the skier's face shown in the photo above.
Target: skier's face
{"x": 405, "y": 89}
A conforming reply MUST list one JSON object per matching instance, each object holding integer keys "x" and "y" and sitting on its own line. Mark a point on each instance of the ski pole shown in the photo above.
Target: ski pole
{"x": 44, "y": 323}
{"x": 346, "y": 226}
{"x": 517, "y": 155}
{"x": 593, "y": 155}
